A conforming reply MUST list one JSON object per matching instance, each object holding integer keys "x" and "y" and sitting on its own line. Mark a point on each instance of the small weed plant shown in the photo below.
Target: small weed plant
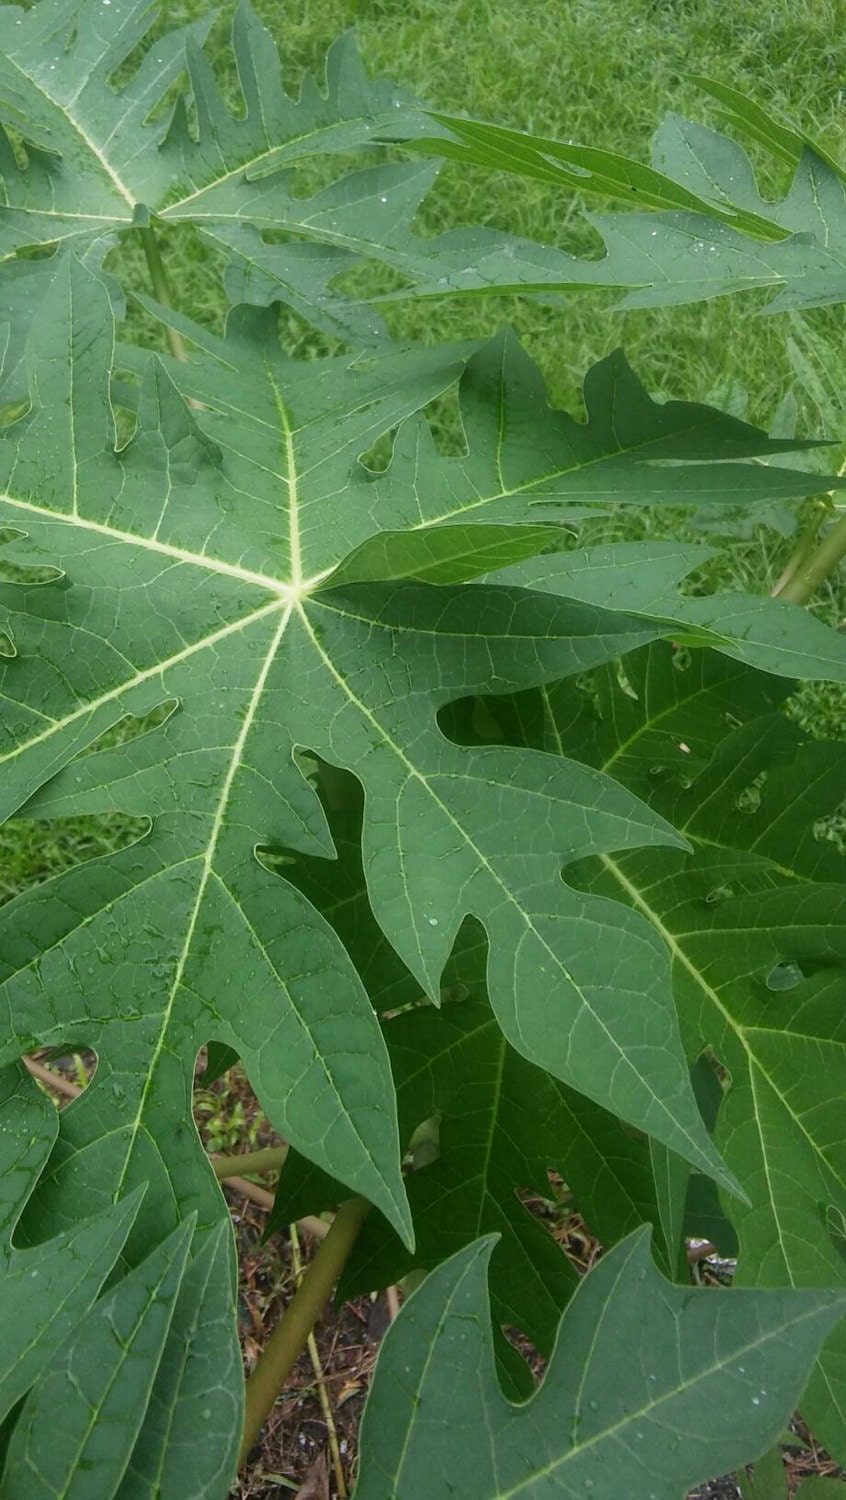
{"x": 456, "y": 828}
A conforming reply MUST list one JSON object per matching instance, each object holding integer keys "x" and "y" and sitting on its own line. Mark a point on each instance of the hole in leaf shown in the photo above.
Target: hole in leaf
{"x": 719, "y": 893}
{"x": 832, "y": 830}
{"x": 22, "y": 571}
{"x": 425, "y": 1144}
{"x": 34, "y": 850}
{"x": 749, "y": 800}
{"x": 18, "y": 145}
{"x": 12, "y": 412}
{"x": 785, "y": 976}
{"x": 528, "y": 1352}
{"x": 708, "y": 1059}
{"x": 624, "y": 681}
{"x": 377, "y": 458}
{"x": 71, "y": 1065}
{"x": 227, "y": 1113}
{"x": 132, "y": 727}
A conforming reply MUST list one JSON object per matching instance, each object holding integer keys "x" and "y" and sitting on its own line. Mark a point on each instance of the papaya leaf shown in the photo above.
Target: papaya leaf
{"x": 770, "y": 634}
{"x": 588, "y": 170}
{"x": 56, "y": 1281}
{"x": 100, "y": 160}
{"x": 638, "y": 1364}
{"x": 495, "y": 1124}
{"x": 502, "y": 1124}
{"x": 93, "y": 1396}
{"x": 226, "y": 523}
{"x": 754, "y": 920}
{"x": 183, "y": 1403}
{"x": 195, "y": 571}
{"x": 707, "y": 231}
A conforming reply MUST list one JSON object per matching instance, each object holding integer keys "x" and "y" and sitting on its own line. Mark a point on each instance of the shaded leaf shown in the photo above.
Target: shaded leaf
{"x": 93, "y": 1397}
{"x": 48, "y": 1288}
{"x": 501, "y": 1124}
{"x": 754, "y": 921}
{"x": 710, "y": 232}
{"x": 767, "y": 633}
{"x": 651, "y": 1387}
{"x": 188, "y": 1443}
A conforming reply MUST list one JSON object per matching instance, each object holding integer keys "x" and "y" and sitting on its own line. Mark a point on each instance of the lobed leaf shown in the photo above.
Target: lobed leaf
{"x": 707, "y": 231}
{"x": 643, "y": 577}
{"x": 56, "y": 1281}
{"x": 93, "y": 1397}
{"x": 199, "y": 579}
{"x": 651, "y": 1387}
{"x": 753, "y": 918}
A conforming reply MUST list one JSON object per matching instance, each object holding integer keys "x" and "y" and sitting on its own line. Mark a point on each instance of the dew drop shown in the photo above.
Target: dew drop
{"x": 433, "y": 921}
{"x": 756, "y": 1401}
{"x": 382, "y": 198}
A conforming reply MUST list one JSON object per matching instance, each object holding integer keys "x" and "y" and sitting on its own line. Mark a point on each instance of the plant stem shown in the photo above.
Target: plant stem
{"x": 290, "y": 1336}
{"x": 161, "y": 287}
{"x": 801, "y": 550}
{"x": 814, "y": 568}
{"x": 270, "y": 1159}
{"x": 53, "y": 1080}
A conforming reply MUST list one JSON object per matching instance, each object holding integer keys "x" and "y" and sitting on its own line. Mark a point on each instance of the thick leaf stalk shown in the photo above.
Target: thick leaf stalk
{"x": 290, "y": 1337}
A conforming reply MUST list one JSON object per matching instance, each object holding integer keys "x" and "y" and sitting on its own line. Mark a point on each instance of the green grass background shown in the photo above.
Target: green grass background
{"x": 601, "y": 72}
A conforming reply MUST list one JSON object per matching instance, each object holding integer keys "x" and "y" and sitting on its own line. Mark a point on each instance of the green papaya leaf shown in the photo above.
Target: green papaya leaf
{"x": 754, "y": 920}
{"x": 57, "y": 1281}
{"x": 93, "y": 1396}
{"x": 638, "y": 1364}
{"x": 587, "y": 169}
{"x": 117, "y": 157}
{"x": 706, "y": 231}
{"x": 189, "y": 1438}
{"x": 498, "y": 1123}
{"x": 225, "y": 517}
{"x": 771, "y": 634}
